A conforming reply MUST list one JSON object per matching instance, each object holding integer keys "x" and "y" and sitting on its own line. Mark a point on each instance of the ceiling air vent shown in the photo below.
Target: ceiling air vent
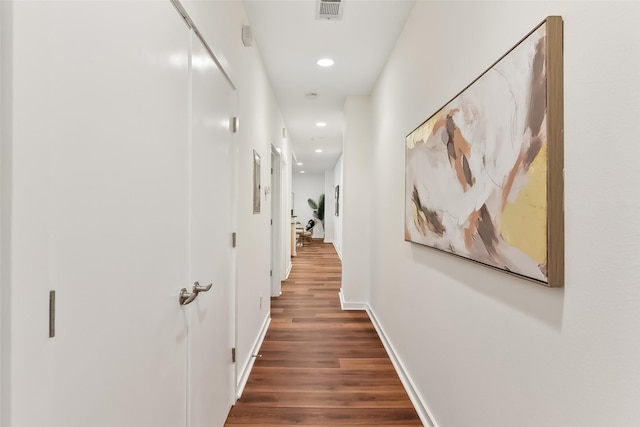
{"x": 329, "y": 9}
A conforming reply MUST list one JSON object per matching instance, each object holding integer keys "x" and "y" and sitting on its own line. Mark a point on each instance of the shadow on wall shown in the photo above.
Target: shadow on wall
{"x": 532, "y": 299}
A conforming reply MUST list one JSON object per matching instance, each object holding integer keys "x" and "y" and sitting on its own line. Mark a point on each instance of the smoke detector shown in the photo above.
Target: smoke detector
{"x": 329, "y": 9}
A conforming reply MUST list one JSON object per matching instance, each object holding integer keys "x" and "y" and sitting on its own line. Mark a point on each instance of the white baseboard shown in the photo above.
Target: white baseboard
{"x": 423, "y": 411}
{"x": 289, "y": 268}
{"x": 337, "y": 251}
{"x": 243, "y": 376}
{"x": 418, "y": 403}
{"x": 351, "y": 305}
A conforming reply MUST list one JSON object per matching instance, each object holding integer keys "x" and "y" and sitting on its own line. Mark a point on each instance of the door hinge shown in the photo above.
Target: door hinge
{"x": 233, "y": 355}
{"x": 233, "y": 239}
{"x": 271, "y": 222}
{"x": 271, "y": 273}
{"x": 234, "y": 124}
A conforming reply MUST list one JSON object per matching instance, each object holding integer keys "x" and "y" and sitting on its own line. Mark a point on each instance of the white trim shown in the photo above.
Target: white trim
{"x": 337, "y": 251}
{"x": 421, "y": 407}
{"x": 5, "y": 64}
{"x": 219, "y": 59}
{"x": 289, "y": 268}
{"x": 352, "y": 305}
{"x": 244, "y": 373}
{"x": 275, "y": 181}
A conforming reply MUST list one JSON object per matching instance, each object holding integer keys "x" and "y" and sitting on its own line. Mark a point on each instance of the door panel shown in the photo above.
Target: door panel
{"x": 100, "y": 214}
{"x": 211, "y": 369}
{"x": 276, "y": 222}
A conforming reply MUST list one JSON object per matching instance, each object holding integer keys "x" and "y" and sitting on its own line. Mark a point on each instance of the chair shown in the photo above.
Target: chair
{"x": 302, "y": 236}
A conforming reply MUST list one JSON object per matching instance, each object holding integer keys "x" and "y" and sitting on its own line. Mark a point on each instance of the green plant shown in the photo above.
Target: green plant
{"x": 318, "y": 208}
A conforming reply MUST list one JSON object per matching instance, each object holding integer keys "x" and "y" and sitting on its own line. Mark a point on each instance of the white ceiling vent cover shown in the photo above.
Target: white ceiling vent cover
{"x": 329, "y": 9}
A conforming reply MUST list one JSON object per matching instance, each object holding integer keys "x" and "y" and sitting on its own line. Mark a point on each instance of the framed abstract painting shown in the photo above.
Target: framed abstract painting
{"x": 484, "y": 174}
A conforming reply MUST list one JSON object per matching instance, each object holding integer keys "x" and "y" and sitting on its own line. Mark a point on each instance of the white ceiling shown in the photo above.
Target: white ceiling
{"x": 291, "y": 40}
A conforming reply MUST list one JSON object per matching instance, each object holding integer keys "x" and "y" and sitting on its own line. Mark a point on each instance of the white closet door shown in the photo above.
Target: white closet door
{"x": 100, "y": 214}
{"x": 211, "y": 369}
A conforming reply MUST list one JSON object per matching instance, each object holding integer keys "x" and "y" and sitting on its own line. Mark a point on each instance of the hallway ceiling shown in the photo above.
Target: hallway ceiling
{"x": 291, "y": 40}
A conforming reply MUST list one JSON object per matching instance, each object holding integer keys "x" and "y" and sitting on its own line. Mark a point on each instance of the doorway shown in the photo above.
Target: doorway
{"x": 276, "y": 221}
{"x": 210, "y": 371}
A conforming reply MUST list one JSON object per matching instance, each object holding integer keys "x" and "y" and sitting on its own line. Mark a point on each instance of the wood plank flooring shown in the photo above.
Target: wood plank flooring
{"x": 321, "y": 366}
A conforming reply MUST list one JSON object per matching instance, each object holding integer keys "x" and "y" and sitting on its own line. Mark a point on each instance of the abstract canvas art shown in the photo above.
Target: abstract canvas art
{"x": 484, "y": 174}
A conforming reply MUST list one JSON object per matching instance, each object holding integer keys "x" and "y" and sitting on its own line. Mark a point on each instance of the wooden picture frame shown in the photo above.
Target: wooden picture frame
{"x": 484, "y": 174}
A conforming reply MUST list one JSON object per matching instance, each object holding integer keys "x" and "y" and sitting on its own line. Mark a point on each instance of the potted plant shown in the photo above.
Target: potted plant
{"x": 318, "y": 208}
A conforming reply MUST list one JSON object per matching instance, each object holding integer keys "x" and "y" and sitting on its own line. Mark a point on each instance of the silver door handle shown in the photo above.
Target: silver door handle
{"x": 197, "y": 287}
{"x": 186, "y": 297}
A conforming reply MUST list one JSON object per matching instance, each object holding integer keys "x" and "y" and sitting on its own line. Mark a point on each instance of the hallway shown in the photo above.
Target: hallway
{"x": 320, "y": 365}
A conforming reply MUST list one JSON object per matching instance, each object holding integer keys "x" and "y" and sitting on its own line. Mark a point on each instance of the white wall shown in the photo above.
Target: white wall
{"x": 260, "y": 126}
{"x": 329, "y": 206}
{"x": 337, "y": 221}
{"x": 484, "y": 348}
{"x": 356, "y": 194}
{"x": 307, "y": 186}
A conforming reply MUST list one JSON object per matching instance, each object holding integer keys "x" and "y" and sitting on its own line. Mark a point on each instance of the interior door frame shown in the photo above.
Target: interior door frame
{"x": 233, "y": 297}
{"x": 222, "y": 100}
{"x": 5, "y": 211}
{"x": 276, "y": 222}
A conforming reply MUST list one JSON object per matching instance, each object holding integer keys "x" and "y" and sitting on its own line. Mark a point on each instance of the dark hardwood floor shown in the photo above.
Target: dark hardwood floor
{"x": 321, "y": 366}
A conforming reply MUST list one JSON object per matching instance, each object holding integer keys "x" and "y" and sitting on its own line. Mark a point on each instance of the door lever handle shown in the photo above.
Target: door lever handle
{"x": 197, "y": 287}
{"x": 186, "y": 297}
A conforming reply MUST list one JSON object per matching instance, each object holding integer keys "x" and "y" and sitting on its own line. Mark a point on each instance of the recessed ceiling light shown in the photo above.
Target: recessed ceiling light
{"x": 321, "y": 124}
{"x": 318, "y": 151}
{"x": 299, "y": 163}
{"x": 325, "y": 62}
{"x": 301, "y": 171}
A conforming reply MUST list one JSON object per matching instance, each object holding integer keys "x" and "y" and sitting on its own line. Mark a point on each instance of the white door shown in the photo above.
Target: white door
{"x": 276, "y": 222}
{"x": 99, "y": 213}
{"x": 211, "y": 254}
